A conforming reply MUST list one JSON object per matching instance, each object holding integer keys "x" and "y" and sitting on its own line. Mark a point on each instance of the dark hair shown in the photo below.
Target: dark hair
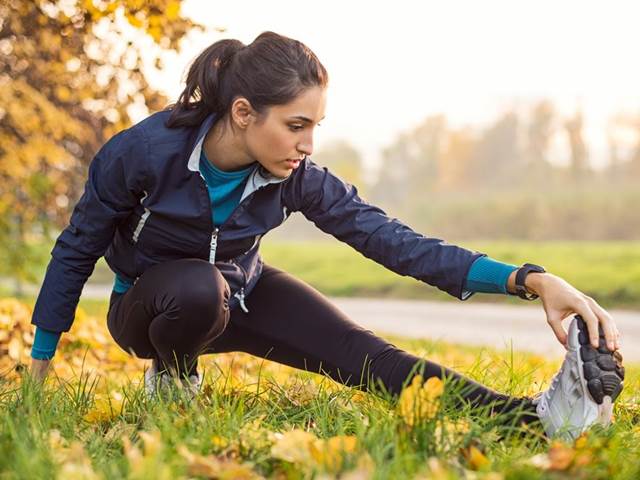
{"x": 272, "y": 70}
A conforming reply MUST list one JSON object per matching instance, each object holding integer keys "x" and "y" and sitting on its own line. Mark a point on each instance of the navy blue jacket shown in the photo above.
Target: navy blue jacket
{"x": 145, "y": 202}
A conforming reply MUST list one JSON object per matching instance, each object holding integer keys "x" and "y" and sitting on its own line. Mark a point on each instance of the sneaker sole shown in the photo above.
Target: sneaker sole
{"x": 602, "y": 371}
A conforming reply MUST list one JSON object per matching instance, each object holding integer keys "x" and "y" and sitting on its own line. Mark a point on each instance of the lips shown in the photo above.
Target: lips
{"x": 294, "y": 163}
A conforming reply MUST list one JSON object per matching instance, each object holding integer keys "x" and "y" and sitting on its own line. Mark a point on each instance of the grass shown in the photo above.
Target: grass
{"x": 607, "y": 271}
{"x": 259, "y": 418}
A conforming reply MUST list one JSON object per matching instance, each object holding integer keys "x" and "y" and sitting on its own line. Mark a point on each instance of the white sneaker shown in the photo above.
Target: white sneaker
{"x": 583, "y": 391}
{"x": 154, "y": 380}
{"x": 192, "y": 386}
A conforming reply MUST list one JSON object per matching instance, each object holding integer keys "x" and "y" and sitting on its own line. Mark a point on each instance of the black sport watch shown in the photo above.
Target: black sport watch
{"x": 521, "y": 274}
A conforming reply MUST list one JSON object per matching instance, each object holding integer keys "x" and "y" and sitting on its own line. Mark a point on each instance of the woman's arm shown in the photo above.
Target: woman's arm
{"x": 44, "y": 347}
{"x": 335, "y": 207}
{"x": 114, "y": 186}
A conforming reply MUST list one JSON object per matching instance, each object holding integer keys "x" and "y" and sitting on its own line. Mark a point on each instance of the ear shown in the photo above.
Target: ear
{"x": 242, "y": 113}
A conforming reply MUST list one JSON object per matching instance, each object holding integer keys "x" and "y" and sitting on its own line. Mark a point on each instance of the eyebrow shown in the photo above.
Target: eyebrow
{"x": 305, "y": 119}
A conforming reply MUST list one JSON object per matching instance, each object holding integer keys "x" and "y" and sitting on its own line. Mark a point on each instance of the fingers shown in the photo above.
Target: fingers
{"x": 611, "y": 333}
{"x": 592, "y": 322}
{"x": 559, "y": 331}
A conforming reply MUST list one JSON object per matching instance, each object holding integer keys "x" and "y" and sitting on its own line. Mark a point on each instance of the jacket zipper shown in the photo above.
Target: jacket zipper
{"x": 213, "y": 245}
{"x": 213, "y": 242}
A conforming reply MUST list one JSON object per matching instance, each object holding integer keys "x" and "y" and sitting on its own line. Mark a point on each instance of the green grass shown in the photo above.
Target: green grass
{"x": 47, "y": 433}
{"x": 607, "y": 271}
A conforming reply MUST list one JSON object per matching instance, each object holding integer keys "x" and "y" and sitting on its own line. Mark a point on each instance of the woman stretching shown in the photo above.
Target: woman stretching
{"x": 179, "y": 202}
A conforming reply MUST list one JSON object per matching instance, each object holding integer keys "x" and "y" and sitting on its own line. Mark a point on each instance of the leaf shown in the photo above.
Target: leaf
{"x": 560, "y": 456}
{"x": 211, "y": 467}
{"x": 77, "y": 464}
{"x": 477, "y": 460}
{"x": 105, "y": 408}
{"x": 330, "y": 454}
{"x": 294, "y": 446}
{"x": 419, "y": 401}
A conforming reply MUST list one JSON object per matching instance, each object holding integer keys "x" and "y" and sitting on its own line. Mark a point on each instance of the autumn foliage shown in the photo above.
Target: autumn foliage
{"x": 70, "y": 71}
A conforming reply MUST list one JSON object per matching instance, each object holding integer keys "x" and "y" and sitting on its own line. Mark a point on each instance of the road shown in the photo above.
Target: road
{"x": 482, "y": 324}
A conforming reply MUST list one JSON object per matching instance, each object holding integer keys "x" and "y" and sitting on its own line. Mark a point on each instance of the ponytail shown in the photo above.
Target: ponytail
{"x": 201, "y": 95}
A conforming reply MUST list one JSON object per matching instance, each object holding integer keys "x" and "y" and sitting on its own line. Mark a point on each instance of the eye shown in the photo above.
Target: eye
{"x": 295, "y": 128}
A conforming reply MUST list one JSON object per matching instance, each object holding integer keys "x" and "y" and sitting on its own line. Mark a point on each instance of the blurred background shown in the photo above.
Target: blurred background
{"x": 508, "y": 127}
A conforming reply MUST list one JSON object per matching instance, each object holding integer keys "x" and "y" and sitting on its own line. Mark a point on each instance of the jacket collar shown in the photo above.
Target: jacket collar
{"x": 258, "y": 178}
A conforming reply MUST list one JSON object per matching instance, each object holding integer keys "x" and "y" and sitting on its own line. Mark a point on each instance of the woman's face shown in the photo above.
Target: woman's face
{"x": 283, "y": 134}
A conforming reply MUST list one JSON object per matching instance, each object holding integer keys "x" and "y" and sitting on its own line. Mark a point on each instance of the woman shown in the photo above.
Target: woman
{"x": 178, "y": 205}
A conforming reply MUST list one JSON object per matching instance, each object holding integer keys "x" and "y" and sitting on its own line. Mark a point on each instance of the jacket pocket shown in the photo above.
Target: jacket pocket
{"x": 255, "y": 242}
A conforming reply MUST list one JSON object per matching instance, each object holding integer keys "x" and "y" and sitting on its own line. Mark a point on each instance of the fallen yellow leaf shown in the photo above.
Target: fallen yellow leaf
{"x": 419, "y": 401}
{"x": 476, "y": 458}
{"x": 560, "y": 456}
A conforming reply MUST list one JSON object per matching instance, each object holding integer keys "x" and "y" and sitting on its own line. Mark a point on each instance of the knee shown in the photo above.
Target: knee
{"x": 203, "y": 294}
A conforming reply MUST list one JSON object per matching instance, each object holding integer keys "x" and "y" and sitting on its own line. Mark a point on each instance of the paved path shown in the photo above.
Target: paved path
{"x": 470, "y": 323}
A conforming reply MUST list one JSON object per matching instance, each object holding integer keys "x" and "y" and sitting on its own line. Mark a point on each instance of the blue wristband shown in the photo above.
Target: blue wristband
{"x": 44, "y": 344}
{"x": 487, "y": 275}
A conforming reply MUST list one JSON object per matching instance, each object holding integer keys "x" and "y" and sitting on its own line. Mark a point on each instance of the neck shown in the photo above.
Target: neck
{"x": 225, "y": 149}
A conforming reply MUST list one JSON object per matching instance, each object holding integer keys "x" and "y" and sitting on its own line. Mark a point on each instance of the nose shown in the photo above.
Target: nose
{"x": 306, "y": 145}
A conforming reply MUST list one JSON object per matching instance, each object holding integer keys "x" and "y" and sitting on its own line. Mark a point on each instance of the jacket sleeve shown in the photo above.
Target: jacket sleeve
{"x": 335, "y": 207}
{"x": 113, "y": 187}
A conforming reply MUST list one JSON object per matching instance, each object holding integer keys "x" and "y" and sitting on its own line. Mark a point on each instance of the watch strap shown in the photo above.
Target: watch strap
{"x": 521, "y": 275}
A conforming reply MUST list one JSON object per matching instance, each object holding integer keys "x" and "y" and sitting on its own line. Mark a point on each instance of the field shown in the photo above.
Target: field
{"x": 256, "y": 419}
{"x": 607, "y": 271}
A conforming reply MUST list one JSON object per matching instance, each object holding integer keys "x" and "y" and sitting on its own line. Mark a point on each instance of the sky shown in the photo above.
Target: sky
{"x": 392, "y": 64}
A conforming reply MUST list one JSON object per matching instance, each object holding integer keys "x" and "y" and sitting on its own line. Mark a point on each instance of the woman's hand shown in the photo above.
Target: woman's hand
{"x": 561, "y": 300}
{"x": 39, "y": 369}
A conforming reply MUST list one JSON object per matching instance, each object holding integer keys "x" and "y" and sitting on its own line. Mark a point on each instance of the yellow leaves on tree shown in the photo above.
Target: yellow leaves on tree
{"x": 66, "y": 86}
{"x": 420, "y": 400}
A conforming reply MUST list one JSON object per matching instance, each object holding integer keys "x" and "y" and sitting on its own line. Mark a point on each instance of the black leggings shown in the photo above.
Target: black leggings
{"x": 179, "y": 310}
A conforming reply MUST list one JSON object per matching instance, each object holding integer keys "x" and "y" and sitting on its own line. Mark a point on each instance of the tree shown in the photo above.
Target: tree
{"x": 579, "y": 154}
{"x": 496, "y": 157}
{"x": 68, "y": 77}
{"x": 410, "y": 165}
{"x": 456, "y": 160}
{"x": 540, "y": 129}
